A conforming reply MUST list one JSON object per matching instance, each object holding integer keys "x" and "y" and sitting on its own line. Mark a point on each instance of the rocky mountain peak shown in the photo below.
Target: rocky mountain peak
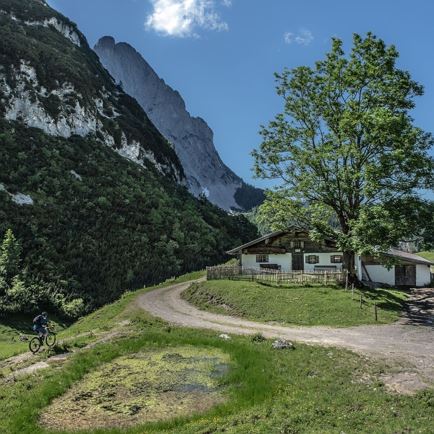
{"x": 191, "y": 137}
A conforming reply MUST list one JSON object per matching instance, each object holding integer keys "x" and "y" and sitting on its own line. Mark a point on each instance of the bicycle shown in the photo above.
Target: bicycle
{"x": 37, "y": 342}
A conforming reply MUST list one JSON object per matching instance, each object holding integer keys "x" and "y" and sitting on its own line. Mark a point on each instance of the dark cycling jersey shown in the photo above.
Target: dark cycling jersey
{"x": 40, "y": 321}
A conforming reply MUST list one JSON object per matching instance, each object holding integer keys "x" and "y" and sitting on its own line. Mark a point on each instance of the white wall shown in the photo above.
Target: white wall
{"x": 324, "y": 260}
{"x": 423, "y": 275}
{"x": 284, "y": 260}
{"x": 377, "y": 273}
{"x": 380, "y": 274}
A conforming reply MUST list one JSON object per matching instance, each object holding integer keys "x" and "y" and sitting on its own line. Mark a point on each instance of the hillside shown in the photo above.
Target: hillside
{"x": 130, "y": 372}
{"x": 192, "y": 138}
{"x": 90, "y": 188}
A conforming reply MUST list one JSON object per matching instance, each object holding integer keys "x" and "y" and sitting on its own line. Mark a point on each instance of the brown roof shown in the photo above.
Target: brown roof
{"x": 395, "y": 253}
{"x": 252, "y": 243}
{"x": 410, "y": 257}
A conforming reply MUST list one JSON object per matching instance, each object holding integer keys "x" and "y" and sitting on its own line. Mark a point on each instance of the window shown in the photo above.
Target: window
{"x": 297, "y": 244}
{"x": 336, "y": 259}
{"x": 261, "y": 258}
{"x": 312, "y": 259}
{"x": 270, "y": 266}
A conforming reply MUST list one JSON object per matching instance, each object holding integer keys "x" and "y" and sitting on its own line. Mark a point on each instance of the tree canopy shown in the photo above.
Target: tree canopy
{"x": 346, "y": 149}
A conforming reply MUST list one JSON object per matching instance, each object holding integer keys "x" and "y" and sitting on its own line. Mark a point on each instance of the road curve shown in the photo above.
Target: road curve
{"x": 412, "y": 346}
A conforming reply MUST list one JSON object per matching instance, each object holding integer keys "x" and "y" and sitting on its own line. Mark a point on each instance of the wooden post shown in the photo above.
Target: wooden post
{"x": 361, "y": 301}
{"x": 352, "y": 291}
{"x": 375, "y": 312}
{"x": 346, "y": 282}
{"x": 325, "y": 278}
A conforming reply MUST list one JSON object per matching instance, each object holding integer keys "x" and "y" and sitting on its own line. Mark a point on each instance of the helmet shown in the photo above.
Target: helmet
{"x": 44, "y": 314}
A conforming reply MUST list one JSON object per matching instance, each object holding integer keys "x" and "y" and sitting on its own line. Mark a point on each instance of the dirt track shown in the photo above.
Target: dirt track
{"x": 407, "y": 348}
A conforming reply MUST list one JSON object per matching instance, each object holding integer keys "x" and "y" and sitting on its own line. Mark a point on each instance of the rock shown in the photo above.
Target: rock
{"x": 224, "y": 336}
{"x": 282, "y": 344}
{"x": 22, "y": 199}
{"x": 191, "y": 137}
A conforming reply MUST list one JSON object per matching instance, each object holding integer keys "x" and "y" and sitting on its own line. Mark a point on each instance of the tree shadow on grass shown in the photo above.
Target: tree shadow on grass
{"x": 386, "y": 300}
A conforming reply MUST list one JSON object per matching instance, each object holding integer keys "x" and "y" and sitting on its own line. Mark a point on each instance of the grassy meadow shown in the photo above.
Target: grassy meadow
{"x": 306, "y": 390}
{"x": 428, "y": 255}
{"x": 307, "y": 306}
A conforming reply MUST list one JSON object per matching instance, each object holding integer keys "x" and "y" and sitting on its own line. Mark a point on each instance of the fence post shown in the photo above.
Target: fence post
{"x": 346, "y": 282}
{"x": 375, "y": 312}
{"x": 352, "y": 291}
{"x": 361, "y": 301}
{"x": 325, "y": 278}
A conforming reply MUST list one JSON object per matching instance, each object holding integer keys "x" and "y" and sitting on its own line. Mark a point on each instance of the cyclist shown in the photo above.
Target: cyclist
{"x": 40, "y": 325}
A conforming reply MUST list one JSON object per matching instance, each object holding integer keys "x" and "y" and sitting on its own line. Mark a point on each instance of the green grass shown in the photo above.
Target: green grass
{"x": 11, "y": 328}
{"x": 81, "y": 332}
{"x": 306, "y": 390}
{"x": 428, "y": 255}
{"x": 309, "y": 306}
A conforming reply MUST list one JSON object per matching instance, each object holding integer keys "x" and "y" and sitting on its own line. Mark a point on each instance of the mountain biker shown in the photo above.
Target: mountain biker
{"x": 40, "y": 325}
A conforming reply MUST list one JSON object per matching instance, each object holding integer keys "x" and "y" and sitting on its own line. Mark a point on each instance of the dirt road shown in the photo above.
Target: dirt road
{"x": 407, "y": 348}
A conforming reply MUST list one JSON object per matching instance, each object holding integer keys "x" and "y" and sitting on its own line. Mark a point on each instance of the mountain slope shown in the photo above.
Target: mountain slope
{"x": 88, "y": 185}
{"x": 192, "y": 138}
{"x": 51, "y": 79}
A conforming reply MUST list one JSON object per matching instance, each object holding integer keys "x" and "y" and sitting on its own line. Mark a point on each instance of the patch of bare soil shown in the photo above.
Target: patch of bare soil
{"x": 405, "y": 382}
{"x": 150, "y": 386}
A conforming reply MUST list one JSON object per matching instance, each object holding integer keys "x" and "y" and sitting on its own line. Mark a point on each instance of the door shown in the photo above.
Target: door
{"x": 405, "y": 275}
{"x": 297, "y": 262}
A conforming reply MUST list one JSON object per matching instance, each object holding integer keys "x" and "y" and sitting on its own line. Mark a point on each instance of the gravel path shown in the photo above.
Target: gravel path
{"x": 408, "y": 349}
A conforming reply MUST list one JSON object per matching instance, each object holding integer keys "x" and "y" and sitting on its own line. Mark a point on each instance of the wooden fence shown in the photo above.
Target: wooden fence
{"x": 275, "y": 276}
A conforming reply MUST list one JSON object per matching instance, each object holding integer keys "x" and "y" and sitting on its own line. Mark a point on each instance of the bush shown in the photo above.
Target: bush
{"x": 258, "y": 337}
{"x": 73, "y": 309}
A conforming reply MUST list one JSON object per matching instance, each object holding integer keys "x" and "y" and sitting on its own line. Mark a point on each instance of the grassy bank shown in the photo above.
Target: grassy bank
{"x": 329, "y": 306}
{"x": 306, "y": 390}
{"x": 428, "y": 255}
{"x": 12, "y": 327}
{"x": 101, "y": 320}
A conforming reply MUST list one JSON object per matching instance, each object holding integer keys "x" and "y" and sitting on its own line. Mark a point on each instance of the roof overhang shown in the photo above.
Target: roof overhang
{"x": 239, "y": 249}
{"x": 408, "y": 257}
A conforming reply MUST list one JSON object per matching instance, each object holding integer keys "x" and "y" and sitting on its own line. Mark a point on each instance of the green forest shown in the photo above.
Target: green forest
{"x": 100, "y": 224}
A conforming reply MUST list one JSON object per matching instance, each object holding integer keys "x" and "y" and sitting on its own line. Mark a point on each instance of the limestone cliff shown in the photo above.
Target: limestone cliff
{"x": 191, "y": 137}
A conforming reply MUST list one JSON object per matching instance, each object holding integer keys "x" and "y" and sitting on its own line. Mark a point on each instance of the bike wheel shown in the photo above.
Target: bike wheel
{"x": 50, "y": 340}
{"x": 35, "y": 345}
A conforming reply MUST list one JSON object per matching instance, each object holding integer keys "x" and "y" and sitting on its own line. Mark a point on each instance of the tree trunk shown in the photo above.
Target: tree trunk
{"x": 350, "y": 266}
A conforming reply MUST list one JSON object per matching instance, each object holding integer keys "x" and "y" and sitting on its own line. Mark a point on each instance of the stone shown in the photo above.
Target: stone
{"x": 224, "y": 336}
{"x": 282, "y": 344}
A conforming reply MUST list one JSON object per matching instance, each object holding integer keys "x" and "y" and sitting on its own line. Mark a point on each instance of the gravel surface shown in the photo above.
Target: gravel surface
{"x": 406, "y": 346}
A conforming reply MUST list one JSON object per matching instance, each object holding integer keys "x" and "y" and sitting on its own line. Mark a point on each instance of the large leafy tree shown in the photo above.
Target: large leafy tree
{"x": 347, "y": 150}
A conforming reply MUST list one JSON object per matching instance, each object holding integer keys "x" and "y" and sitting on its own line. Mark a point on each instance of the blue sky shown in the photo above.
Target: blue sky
{"x": 221, "y": 54}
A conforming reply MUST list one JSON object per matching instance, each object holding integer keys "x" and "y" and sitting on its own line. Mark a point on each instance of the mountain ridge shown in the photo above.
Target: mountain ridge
{"x": 98, "y": 207}
{"x": 191, "y": 136}
{"x": 51, "y": 79}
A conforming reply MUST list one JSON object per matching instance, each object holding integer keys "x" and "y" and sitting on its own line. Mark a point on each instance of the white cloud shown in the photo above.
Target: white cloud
{"x": 181, "y": 18}
{"x": 303, "y": 37}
